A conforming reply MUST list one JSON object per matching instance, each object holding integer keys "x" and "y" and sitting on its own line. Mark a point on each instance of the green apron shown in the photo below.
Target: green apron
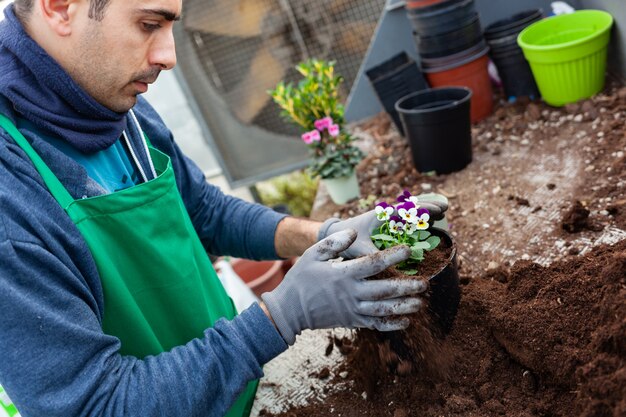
{"x": 160, "y": 288}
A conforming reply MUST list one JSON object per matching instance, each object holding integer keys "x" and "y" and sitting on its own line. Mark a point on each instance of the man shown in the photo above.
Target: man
{"x": 108, "y": 303}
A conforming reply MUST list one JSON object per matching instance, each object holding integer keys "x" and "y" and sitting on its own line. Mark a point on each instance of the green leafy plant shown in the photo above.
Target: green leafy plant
{"x": 296, "y": 190}
{"x": 314, "y": 105}
{"x": 405, "y": 224}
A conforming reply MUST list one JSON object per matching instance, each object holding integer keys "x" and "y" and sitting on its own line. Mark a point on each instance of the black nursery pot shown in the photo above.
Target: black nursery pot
{"x": 442, "y": 20}
{"x": 394, "y": 79}
{"x": 445, "y": 292}
{"x": 512, "y": 25}
{"x": 516, "y": 75}
{"x": 452, "y": 42}
{"x": 437, "y": 126}
{"x": 514, "y": 70}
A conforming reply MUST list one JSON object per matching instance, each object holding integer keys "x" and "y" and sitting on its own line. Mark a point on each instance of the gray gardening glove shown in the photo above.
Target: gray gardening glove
{"x": 365, "y": 223}
{"x": 318, "y": 294}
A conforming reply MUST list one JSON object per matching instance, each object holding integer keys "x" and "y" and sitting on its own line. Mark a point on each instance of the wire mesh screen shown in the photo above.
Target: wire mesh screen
{"x": 234, "y": 51}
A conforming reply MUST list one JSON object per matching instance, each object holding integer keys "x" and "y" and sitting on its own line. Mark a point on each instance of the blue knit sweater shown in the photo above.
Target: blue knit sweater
{"x": 54, "y": 358}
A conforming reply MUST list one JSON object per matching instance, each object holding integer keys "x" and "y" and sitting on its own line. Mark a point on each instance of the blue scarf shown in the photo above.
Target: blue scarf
{"x": 41, "y": 91}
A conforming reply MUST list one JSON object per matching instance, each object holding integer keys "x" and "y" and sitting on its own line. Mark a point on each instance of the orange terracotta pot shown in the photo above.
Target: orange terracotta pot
{"x": 260, "y": 276}
{"x": 418, "y": 4}
{"x": 473, "y": 75}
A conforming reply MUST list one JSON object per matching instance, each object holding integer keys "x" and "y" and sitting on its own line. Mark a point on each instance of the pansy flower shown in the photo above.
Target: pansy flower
{"x": 405, "y": 196}
{"x": 423, "y": 216}
{"x": 383, "y": 211}
{"x": 408, "y": 212}
{"x": 323, "y": 123}
{"x": 333, "y": 130}
{"x": 396, "y": 225}
{"x": 306, "y": 138}
{"x": 410, "y": 228}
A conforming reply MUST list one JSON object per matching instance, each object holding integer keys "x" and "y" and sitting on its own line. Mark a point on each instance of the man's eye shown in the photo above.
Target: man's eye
{"x": 150, "y": 27}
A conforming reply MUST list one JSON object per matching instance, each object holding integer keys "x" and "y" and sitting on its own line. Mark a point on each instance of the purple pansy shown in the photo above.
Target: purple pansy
{"x": 422, "y": 211}
{"x": 396, "y": 225}
{"x": 422, "y": 220}
{"x": 405, "y": 196}
{"x": 408, "y": 212}
{"x": 383, "y": 211}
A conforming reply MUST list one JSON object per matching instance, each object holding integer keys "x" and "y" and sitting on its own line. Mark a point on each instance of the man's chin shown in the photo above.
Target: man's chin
{"x": 125, "y": 106}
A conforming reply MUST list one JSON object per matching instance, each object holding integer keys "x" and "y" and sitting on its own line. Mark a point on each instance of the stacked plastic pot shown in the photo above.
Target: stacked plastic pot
{"x": 393, "y": 79}
{"x": 452, "y": 49}
{"x": 513, "y": 69}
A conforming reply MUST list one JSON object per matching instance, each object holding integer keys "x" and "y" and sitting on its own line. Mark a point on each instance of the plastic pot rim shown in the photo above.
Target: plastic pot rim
{"x": 413, "y": 13}
{"x": 397, "y": 68}
{"x": 546, "y": 48}
{"x": 453, "y": 65}
{"x": 492, "y": 30}
{"x": 395, "y": 72}
{"x": 450, "y": 105}
{"x": 433, "y": 6}
{"x": 442, "y": 232}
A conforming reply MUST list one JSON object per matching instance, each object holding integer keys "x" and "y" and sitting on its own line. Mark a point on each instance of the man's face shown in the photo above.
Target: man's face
{"x": 116, "y": 58}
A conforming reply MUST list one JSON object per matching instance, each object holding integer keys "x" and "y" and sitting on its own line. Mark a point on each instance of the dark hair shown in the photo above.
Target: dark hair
{"x": 23, "y": 8}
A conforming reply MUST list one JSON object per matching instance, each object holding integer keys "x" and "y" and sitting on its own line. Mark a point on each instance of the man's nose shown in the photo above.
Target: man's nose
{"x": 163, "y": 52}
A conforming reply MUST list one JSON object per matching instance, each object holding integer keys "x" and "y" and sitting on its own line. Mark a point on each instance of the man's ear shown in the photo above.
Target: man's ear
{"x": 59, "y": 14}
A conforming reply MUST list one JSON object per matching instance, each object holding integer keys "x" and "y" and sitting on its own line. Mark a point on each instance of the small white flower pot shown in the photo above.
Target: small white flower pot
{"x": 342, "y": 189}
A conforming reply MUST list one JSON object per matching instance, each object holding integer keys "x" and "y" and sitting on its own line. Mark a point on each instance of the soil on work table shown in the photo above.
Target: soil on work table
{"x": 551, "y": 341}
{"x": 539, "y": 219}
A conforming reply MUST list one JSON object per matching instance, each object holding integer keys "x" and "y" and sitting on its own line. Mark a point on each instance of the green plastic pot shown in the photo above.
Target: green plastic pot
{"x": 567, "y": 54}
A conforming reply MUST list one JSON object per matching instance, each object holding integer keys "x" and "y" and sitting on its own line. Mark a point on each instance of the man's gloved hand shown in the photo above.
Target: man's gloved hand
{"x": 317, "y": 294}
{"x": 365, "y": 223}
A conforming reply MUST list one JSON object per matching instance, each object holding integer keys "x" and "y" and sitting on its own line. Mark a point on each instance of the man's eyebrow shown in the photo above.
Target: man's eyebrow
{"x": 166, "y": 14}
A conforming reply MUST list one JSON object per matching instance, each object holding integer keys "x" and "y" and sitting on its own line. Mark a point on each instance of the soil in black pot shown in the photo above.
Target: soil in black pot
{"x": 418, "y": 349}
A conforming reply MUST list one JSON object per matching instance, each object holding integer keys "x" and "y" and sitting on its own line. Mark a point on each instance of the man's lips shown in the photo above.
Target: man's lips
{"x": 141, "y": 86}
{"x": 142, "y": 83}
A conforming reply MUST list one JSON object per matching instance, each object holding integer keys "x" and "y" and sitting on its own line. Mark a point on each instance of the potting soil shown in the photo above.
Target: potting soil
{"x": 539, "y": 219}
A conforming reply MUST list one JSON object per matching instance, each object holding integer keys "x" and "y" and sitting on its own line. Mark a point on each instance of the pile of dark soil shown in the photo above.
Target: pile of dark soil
{"x": 547, "y": 342}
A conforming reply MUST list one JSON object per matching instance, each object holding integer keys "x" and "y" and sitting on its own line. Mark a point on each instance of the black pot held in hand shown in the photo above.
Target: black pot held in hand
{"x": 437, "y": 126}
{"x": 394, "y": 79}
{"x": 445, "y": 292}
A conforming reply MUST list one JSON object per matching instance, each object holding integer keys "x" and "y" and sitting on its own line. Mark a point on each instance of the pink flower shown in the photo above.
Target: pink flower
{"x": 310, "y": 137}
{"x": 333, "y": 130}
{"x": 315, "y": 136}
{"x": 306, "y": 138}
{"x": 323, "y": 123}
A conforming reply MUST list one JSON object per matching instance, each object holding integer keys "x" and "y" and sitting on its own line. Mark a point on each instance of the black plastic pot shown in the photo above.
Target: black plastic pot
{"x": 512, "y": 25}
{"x": 445, "y": 292}
{"x": 394, "y": 79}
{"x": 516, "y": 75}
{"x": 444, "y": 297}
{"x": 437, "y": 125}
{"x": 443, "y": 20}
{"x": 450, "y": 43}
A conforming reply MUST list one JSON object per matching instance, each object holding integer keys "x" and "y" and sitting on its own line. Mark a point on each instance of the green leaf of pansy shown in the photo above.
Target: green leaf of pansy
{"x": 382, "y": 237}
{"x": 433, "y": 242}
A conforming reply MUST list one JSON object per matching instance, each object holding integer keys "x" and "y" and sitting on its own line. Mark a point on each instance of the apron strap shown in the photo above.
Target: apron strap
{"x": 58, "y": 191}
